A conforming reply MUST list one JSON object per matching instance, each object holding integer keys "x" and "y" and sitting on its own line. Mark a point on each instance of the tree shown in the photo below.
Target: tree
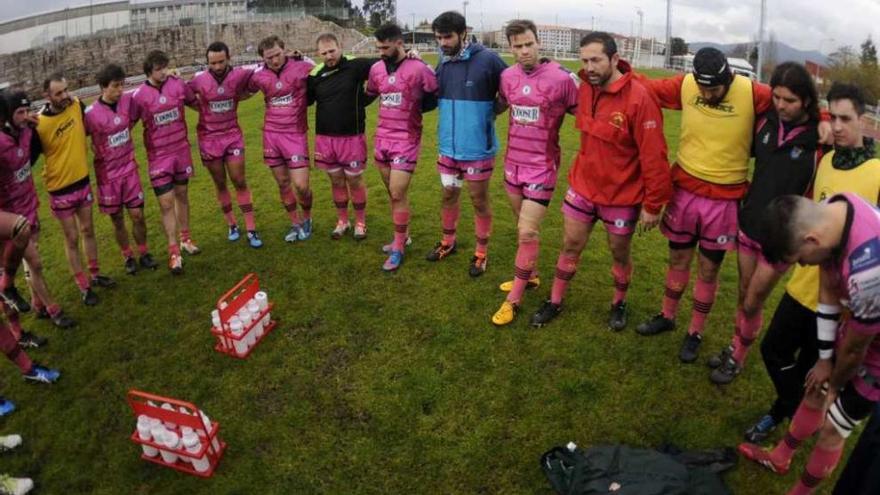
{"x": 679, "y": 47}
{"x": 846, "y": 66}
{"x": 379, "y": 11}
{"x": 869, "y": 54}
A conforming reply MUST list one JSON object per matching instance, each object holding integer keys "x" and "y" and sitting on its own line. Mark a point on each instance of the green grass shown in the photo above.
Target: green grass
{"x": 372, "y": 383}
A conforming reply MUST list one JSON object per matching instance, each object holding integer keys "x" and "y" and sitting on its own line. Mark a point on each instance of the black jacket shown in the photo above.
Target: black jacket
{"x": 339, "y": 95}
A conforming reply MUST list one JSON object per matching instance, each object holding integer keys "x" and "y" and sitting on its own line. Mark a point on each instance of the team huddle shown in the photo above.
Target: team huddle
{"x": 812, "y": 198}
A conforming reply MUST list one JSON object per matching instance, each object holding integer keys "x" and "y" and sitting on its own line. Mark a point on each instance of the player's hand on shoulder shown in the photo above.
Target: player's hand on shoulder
{"x": 413, "y": 54}
{"x": 826, "y": 136}
{"x": 294, "y": 54}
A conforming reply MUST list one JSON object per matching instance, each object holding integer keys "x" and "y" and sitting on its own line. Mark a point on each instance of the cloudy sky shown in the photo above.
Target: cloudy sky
{"x": 800, "y": 23}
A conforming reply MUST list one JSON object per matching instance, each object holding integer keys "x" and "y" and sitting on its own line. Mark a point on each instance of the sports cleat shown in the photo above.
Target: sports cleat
{"x": 617, "y": 317}
{"x": 533, "y": 283}
{"x": 43, "y": 313}
{"x": 305, "y": 231}
{"x": 341, "y": 228}
{"x": 719, "y": 359}
{"x": 30, "y": 340}
{"x": 147, "y": 261}
{"x": 755, "y": 453}
{"x": 726, "y": 373}
{"x": 61, "y": 320}
{"x": 131, "y": 266}
{"x": 89, "y": 298}
{"x": 234, "y": 233}
{"x": 441, "y": 251}
{"x": 689, "y": 348}
{"x": 9, "y": 442}
{"x": 175, "y": 264}
{"x": 6, "y": 406}
{"x": 103, "y": 281}
{"x": 15, "y": 486}
{"x": 657, "y": 324}
{"x": 292, "y": 234}
{"x": 395, "y": 259}
{"x": 360, "y": 231}
{"x": 13, "y": 299}
{"x": 505, "y": 314}
{"x": 759, "y": 431}
{"x": 41, "y": 374}
{"x": 388, "y": 247}
{"x": 478, "y": 265}
{"x": 189, "y": 247}
{"x": 254, "y": 239}
{"x": 546, "y": 314}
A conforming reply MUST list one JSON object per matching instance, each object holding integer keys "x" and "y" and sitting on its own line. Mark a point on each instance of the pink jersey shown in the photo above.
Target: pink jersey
{"x": 110, "y": 128}
{"x": 400, "y": 95}
{"x": 16, "y": 182}
{"x": 218, "y": 100}
{"x": 538, "y": 102}
{"x": 855, "y": 270}
{"x": 285, "y": 95}
{"x": 163, "y": 114}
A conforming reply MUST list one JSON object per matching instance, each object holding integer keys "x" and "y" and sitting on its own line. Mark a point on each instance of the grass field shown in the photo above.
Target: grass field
{"x": 373, "y": 383}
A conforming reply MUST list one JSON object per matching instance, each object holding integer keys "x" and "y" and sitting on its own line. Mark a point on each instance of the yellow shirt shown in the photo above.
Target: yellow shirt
{"x": 63, "y": 138}
{"x": 863, "y": 180}
{"x": 716, "y": 141}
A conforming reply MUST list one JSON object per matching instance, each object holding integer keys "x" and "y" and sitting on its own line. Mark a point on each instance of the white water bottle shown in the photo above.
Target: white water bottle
{"x": 143, "y": 429}
{"x": 246, "y": 321}
{"x": 192, "y": 445}
{"x": 238, "y": 341}
{"x": 262, "y": 300}
{"x": 171, "y": 441}
{"x": 207, "y": 422}
{"x": 254, "y": 309}
{"x": 158, "y": 433}
{"x": 169, "y": 424}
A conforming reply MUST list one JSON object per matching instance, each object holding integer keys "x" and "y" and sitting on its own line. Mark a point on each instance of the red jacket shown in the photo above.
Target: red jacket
{"x": 622, "y": 159}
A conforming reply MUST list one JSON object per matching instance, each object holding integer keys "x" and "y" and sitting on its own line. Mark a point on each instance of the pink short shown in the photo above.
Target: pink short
{"x": 65, "y": 203}
{"x": 125, "y": 191}
{"x": 692, "y": 219}
{"x": 399, "y": 155}
{"x": 473, "y": 170}
{"x": 171, "y": 168}
{"x": 229, "y": 145}
{"x": 535, "y": 183}
{"x": 335, "y": 153}
{"x": 285, "y": 148}
{"x": 745, "y": 245}
{"x": 27, "y": 207}
{"x": 618, "y": 220}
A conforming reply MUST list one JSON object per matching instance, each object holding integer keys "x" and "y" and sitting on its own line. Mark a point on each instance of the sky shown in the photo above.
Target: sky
{"x": 808, "y": 25}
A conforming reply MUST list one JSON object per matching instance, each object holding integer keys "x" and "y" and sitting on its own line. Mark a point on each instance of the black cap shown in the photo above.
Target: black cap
{"x": 711, "y": 68}
{"x": 16, "y": 100}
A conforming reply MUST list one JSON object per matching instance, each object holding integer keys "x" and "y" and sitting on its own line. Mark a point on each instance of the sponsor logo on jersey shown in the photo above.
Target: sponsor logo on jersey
{"x": 166, "y": 117}
{"x": 221, "y": 90}
{"x": 618, "y": 119}
{"x": 23, "y": 173}
{"x": 525, "y": 115}
{"x": 704, "y": 106}
{"x": 162, "y": 100}
{"x": 118, "y": 139}
{"x": 117, "y": 120}
{"x": 526, "y": 89}
{"x": 282, "y": 101}
{"x": 222, "y": 106}
{"x": 796, "y": 152}
{"x": 392, "y": 99}
{"x": 392, "y": 80}
{"x": 63, "y": 127}
{"x": 865, "y": 256}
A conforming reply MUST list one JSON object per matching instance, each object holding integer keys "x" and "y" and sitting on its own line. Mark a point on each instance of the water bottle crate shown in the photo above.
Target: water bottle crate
{"x": 228, "y": 306}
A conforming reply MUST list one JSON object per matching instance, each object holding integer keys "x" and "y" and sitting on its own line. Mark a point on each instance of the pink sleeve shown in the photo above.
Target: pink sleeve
{"x": 189, "y": 96}
{"x": 372, "y": 88}
{"x": 571, "y": 94}
{"x": 429, "y": 80}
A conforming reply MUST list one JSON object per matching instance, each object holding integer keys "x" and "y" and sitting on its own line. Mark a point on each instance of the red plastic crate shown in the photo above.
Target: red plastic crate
{"x": 228, "y": 305}
{"x": 139, "y": 405}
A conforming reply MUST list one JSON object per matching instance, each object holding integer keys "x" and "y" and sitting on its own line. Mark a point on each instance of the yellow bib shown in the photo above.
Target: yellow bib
{"x": 716, "y": 141}
{"x": 863, "y": 180}
{"x": 63, "y": 137}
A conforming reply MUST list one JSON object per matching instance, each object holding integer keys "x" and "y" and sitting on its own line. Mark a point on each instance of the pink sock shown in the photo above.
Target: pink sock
{"x": 804, "y": 424}
{"x": 127, "y": 252}
{"x": 246, "y": 205}
{"x": 37, "y": 304}
{"x": 185, "y": 235}
{"x": 174, "y": 249}
{"x": 143, "y": 249}
{"x": 340, "y": 198}
{"x": 359, "y": 203}
{"x": 482, "y": 229}
{"x": 704, "y": 297}
{"x": 566, "y": 266}
{"x": 14, "y": 322}
{"x": 81, "y": 280}
{"x": 305, "y": 201}
{"x": 676, "y": 282}
{"x": 748, "y": 332}
{"x": 5, "y": 280}
{"x": 449, "y": 217}
{"x": 10, "y": 347}
{"x": 226, "y": 206}
{"x": 93, "y": 268}
{"x": 821, "y": 464}
{"x": 53, "y": 310}
{"x": 526, "y": 256}
{"x": 401, "y": 225}
{"x": 622, "y": 275}
{"x": 289, "y": 200}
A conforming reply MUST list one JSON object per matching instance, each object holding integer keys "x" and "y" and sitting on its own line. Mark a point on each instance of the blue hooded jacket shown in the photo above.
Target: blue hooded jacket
{"x": 466, "y": 99}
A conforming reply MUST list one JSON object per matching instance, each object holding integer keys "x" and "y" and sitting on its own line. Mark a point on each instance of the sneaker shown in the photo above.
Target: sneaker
{"x": 15, "y": 486}
{"x": 131, "y": 266}
{"x": 725, "y": 373}
{"x": 533, "y": 283}
{"x": 340, "y": 230}
{"x": 505, "y": 314}
{"x": 103, "y": 281}
{"x": 478, "y": 265}
{"x": 755, "y": 453}
{"x": 6, "y": 406}
{"x": 305, "y": 231}
{"x": 440, "y": 251}
{"x": 718, "y": 359}
{"x": 147, "y": 261}
{"x": 759, "y": 431}
{"x": 13, "y": 299}
{"x": 360, "y": 231}
{"x": 9, "y": 442}
{"x": 61, "y": 320}
{"x": 89, "y": 298}
{"x": 689, "y": 348}
{"x": 41, "y": 374}
{"x": 254, "y": 239}
{"x": 657, "y": 324}
{"x": 175, "y": 264}
{"x": 393, "y": 262}
{"x": 546, "y": 314}
{"x": 30, "y": 340}
{"x": 292, "y": 234}
{"x": 388, "y": 247}
{"x": 43, "y": 314}
{"x": 617, "y": 317}
{"x": 189, "y": 247}
{"x": 233, "y": 234}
